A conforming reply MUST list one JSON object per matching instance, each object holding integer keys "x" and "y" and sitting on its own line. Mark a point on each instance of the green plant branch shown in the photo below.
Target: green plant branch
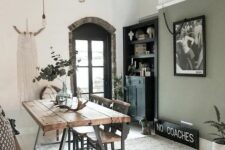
{"x": 60, "y": 67}
{"x": 219, "y": 125}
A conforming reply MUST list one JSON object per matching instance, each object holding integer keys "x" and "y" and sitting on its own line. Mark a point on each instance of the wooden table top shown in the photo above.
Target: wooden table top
{"x": 49, "y": 117}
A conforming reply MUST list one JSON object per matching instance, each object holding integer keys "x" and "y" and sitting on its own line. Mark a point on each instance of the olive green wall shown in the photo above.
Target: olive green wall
{"x": 192, "y": 98}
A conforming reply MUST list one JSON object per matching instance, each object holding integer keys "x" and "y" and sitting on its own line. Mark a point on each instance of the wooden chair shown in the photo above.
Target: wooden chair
{"x": 109, "y": 136}
{"x": 101, "y": 100}
{"x": 79, "y": 133}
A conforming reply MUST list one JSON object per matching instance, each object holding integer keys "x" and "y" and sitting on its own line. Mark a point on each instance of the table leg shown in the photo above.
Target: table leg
{"x": 36, "y": 140}
{"x": 125, "y": 131}
{"x": 63, "y": 140}
{"x": 99, "y": 140}
{"x": 69, "y": 140}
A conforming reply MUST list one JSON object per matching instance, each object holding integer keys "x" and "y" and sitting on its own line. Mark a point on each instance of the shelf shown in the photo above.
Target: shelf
{"x": 148, "y": 40}
{"x": 143, "y": 56}
{"x": 139, "y": 53}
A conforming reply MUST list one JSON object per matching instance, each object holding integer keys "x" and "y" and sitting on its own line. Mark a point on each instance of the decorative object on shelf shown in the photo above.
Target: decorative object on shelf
{"x": 61, "y": 68}
{"x": 140, "y": 35}
{"x": 148, "y": 72}
{"x": 151, "y": 32}
{"x": 145, "y": 129}
{"x": 140, "y": 49}
{"x": 131, "y": 69}
{"x": 189, "y": 47}
{"x": 219, "y": 142}
{"x": 131, "y": 35}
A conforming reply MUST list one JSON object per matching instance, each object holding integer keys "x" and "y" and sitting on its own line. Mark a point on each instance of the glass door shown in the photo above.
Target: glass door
{"x": 90, "y": 72}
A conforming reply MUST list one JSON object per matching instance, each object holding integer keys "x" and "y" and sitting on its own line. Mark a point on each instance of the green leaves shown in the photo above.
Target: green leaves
{"x": 60, "y": 68}
{"x": 219, "y": 125}
{"x": 118, "y": 87}
{"x": 217, "y": 113}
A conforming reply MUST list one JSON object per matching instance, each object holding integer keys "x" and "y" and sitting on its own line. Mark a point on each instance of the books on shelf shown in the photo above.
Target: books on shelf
{"x": 140, "y": 49}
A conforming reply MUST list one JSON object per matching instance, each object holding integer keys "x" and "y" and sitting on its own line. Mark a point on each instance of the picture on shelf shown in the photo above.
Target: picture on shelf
{"x": 189, "y": 47}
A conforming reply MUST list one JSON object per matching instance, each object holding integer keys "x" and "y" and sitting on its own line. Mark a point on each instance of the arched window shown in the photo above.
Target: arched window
{"x": 94, "y": 71}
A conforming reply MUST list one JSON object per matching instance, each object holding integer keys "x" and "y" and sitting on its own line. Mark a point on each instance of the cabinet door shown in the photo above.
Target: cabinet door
{"x": 141, "y": 104}
{"x": 132, "y": 99}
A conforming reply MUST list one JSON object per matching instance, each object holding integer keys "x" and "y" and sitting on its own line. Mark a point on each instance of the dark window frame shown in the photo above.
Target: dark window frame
{"x": 106, "y": 38}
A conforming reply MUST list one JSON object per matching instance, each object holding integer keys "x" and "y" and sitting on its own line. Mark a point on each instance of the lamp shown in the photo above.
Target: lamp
{"x": 44, "y": 22}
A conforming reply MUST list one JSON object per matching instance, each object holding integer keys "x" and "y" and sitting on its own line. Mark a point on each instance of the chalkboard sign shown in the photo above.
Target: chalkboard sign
{"x": 179, "y": 133}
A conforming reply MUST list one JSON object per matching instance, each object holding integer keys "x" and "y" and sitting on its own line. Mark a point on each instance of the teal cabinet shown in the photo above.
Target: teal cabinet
{"x": 140, "y": 94}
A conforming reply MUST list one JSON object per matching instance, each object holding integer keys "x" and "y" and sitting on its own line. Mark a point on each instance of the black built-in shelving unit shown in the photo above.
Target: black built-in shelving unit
{"x": 143, "y": 104}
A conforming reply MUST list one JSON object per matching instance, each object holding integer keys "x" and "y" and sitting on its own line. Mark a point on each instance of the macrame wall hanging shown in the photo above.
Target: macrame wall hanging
{"x": 27, "y": 61}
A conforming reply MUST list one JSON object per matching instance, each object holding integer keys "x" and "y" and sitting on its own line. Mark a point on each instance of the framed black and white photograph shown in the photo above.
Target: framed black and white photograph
{"x": 190, "y": 47}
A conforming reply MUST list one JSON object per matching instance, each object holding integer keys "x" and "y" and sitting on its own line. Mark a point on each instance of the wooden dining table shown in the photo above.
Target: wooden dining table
{"x": 49, "y": 118}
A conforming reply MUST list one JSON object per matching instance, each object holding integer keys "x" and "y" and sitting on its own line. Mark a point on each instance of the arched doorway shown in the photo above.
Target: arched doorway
{"x": 77, "y": 33}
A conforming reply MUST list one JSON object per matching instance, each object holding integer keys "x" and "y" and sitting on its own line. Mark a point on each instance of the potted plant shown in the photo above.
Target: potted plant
{"x": 118, "y": 87}
{"x": 60, "y": 69}
{"x": 144, "y": 126}
{"x": 219, "y": 141}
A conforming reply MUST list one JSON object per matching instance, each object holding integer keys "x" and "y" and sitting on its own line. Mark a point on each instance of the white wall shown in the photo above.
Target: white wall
{"x": 60, "y": 14}
{"x": 125, "y": 12}
{"x": 188, "y": 95}
{"x": 147, "y": 8}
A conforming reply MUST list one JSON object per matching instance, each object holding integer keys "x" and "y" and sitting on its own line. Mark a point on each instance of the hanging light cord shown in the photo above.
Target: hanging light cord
{"x": 178, "y": 31}
{"x": 43, "y": 15}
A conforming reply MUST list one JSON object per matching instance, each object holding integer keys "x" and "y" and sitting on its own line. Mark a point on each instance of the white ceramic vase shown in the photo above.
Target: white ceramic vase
{"x": 216, "y": 146}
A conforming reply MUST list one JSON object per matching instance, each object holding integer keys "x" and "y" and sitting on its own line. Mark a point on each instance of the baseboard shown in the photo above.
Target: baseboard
{"x": 205, "y": 144}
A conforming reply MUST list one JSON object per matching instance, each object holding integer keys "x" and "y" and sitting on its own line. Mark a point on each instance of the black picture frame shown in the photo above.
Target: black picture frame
{"x": 190, "y": 47}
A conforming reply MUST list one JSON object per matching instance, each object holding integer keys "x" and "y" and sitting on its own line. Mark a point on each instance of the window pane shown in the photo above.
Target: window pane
{"x": 98, "y": 80}
{"x": 99, "y": 94}
{"x": 82, "y": 79}
{"x": 85, "y": 96}
{"x": 97, "y": 53}
{"x": 82, "y": 48}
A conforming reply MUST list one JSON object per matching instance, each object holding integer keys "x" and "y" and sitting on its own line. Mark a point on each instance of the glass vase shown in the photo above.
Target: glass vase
{"x": 64, "y": 96}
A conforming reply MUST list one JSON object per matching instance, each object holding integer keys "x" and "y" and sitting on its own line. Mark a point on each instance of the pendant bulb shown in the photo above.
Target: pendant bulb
{"x": 44, "y": 22}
